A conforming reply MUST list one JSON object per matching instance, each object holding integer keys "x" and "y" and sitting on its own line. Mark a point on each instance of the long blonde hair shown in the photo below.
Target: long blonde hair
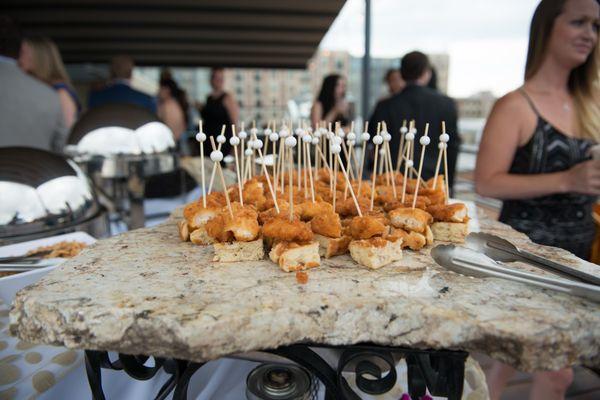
{"x": 584, "y": 81}
{"x": 47, "y": 62}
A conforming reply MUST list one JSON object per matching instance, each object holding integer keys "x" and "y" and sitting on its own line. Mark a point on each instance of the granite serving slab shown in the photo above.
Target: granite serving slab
{"x": 145, "y": 292}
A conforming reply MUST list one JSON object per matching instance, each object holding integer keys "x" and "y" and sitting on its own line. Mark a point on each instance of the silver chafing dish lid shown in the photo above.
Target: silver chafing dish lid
{"x": 42, "y": 191}
{"x": 119, "y": 129}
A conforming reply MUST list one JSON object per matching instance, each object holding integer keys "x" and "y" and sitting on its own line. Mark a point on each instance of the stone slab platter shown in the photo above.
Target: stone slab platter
{"x": 145, "y": 292}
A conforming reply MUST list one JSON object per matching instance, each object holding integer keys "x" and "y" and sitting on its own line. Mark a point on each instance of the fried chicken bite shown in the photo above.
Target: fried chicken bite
{"x": 456, "y": 212}
{"x": 196, "y": 215}
{"x": 308, "y": 210}
{"x": 281, "y": 228}
{"x": 254, "y": 193}
{"x": 327, "y": 224}
{"x": 348, "y": 208}
{"x": 215, "y": 228}
{"x": 410, "y": 219}
{"x": 413, "y": 240}
{"x": 243, "y": 224}
{"x": 367, "y": 226}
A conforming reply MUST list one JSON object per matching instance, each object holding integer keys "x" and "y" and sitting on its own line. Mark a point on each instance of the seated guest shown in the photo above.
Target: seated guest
{"x": 30, "y": 114}
{"x": 535, "y": 150}
{"x": 40, "y": 57}
{"x": 425, "y": 105}
{"x": 119, "y": 90}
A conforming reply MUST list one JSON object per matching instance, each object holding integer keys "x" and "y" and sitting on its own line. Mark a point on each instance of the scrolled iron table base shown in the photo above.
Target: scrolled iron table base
{"x": 439, "y": 371}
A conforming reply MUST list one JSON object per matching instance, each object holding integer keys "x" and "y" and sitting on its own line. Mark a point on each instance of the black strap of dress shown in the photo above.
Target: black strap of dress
{"x": 561, "y": 220}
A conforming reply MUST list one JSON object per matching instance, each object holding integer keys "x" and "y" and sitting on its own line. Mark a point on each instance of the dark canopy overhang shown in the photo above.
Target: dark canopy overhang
{"x": 230, "y": 33}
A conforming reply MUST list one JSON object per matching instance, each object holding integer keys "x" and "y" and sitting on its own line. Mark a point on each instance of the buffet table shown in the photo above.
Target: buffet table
{"x": 145, "y": 292}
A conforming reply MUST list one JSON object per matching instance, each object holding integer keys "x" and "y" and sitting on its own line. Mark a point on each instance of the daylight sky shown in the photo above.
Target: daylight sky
{"x": 485, "y": 39}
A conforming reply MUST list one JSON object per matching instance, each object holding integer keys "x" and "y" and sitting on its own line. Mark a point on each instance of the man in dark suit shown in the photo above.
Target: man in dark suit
{"x": 424, "y": 105}
{"x": 119, "y": 90}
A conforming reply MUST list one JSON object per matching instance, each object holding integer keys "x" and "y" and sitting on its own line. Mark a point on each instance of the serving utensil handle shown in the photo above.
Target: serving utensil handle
{"x": 547, "y": 264}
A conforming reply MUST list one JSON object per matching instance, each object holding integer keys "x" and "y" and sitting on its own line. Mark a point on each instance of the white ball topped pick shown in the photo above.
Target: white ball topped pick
{"x": 336, "y": 148}
{"x": 424, "y": 140}
{"x": 257, "y": 144}
{"x": 216, "y": 155}
{"x": 365, "y": 136}
{"x": 386, "y": 136}
{"x": 273, "y": 136}
{"x": 290, "y": 141}
{"x": 221, "y": 139}
{"x": 234, "y": 140}
{"x": 306, "y": 139}
{"x": 248, "y": 152}
{"x": 442, "y": 145}
{"x": 243, "y": 134}
{"x": 410, "y": 136}
{"x": 377, "y": 139}
{"x": 315, "y": 140}
{"x": 351, "y": 136}
{"x": 201, "y": 137}
{"x": 267, "y": 132}
{"x": 444, "y": 138}
{"x": 403, "y": 130}
{"x": 410, "y": 163}
{"x": 253, "y": 131}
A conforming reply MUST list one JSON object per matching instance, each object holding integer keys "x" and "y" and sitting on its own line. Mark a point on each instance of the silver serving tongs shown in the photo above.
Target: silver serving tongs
{"x": 469, "y": 262}
{"x": 502, "y": 250}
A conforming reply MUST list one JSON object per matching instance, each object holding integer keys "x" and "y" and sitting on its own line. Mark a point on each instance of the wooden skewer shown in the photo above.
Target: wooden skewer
{"x": 374, "y": 167}
{"x": 202, "y": 164}
{"x": 218, "y": 166}
{"x": 407, "y": 163}
{"x": 439, "y": 159}
{"x": 242, "y": 155}
{"x": 423, "y": 147}
{"x": 400, "y": 147}
{"x": 214, "y": 171}
{"x": 266, "y": 172}
{"x": 349, "y": 186}
{"x": 304, "y": 170}
{"x": 237, "y": 166}
{"x": 446, "y": 179}
{"x": 310, "y": 174}
{"x": 335, "y": 168}
{"x": 290, "y": 184}
{"x": 362, "y": 157}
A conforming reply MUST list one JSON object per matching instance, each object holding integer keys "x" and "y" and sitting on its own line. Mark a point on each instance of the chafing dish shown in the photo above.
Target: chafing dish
{"x": 119, "y": 146}
{"x": 45, "y": 194}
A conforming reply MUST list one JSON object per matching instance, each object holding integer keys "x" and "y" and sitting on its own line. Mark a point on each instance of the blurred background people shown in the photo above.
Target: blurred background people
{"x": 331, "y": 105}
{"x": 220, "y": 109}
{"x": 173, "y": 107}
{"x": 119, "y": 89}
{"x": 394, "y": 81}
{"x": 433, "y": 80}
{"x": 534, "y": 154}
{"x": 30, "y": 113}
{"x": 425, "y": 105}
{"x": 40, "y": 57}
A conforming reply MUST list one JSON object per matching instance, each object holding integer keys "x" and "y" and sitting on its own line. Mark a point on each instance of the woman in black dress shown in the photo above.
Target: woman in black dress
{"x": 535, "y": 150}
{"x": 220, "y": 109}
{"x": 331, "y": 105}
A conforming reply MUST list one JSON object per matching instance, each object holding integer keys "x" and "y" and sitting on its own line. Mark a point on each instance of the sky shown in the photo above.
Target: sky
{"x": 485, "y": 39}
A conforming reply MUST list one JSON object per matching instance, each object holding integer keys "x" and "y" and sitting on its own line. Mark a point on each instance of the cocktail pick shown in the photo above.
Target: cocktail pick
{"x": 424, "y": 141}
{"x": 201, "y": 138}
{"x": 290, "y": 143}
{"x": 364, "y": 137}
{"x": 403, "y": 131}
{"x": 214, "y": 171}
{"x": 377, "y": 140}
{"x": 217, "y": 156}
{"x": 234, "y": 141}
{"x": 258, "y": 147}
{"x": 336, "y": 149}
{"x": 408, "y": 162}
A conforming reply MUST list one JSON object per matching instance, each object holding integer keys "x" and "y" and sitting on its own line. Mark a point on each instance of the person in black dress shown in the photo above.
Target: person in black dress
{"x": 535, "y": 150}
{"x": 220, "y": 109}
{"x": 331, "y": 105}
